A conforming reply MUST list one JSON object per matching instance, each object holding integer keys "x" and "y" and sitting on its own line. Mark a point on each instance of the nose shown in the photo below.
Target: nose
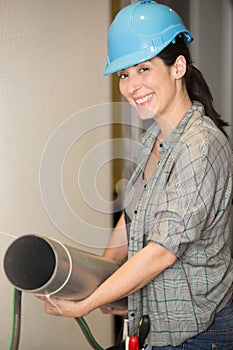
{"x": 134, "y": 84}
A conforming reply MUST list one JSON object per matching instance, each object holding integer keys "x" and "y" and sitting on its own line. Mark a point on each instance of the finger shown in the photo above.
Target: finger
{"x": 106, "y": 310}
{"x": 110, "y": 310}
{"x": 50, "y": 309}
{"x": 120, "y": 312}
{"x": 40, "y": 297}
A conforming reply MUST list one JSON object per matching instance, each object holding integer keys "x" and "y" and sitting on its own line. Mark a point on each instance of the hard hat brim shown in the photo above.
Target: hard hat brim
{"x": 129, "y": 60}
{"x": 142, "y": 55}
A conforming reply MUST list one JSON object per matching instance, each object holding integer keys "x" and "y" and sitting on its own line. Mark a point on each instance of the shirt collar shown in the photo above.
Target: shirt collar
{"x": 153, "y": 131}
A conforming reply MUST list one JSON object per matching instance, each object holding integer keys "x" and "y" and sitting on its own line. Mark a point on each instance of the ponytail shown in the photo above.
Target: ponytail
{"x": 195, "y": 83}
{"x": 199, "y": 90}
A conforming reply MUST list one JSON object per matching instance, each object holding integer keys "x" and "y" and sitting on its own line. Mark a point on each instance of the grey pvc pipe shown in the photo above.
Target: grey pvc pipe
{"x": 41, "y": 265}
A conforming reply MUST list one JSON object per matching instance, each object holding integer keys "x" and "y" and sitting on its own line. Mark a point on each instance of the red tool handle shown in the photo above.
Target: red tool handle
{"x": 133, "y": 343}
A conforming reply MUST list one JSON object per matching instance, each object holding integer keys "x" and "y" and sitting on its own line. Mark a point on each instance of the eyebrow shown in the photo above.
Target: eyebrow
{"x": 135, "y": 65}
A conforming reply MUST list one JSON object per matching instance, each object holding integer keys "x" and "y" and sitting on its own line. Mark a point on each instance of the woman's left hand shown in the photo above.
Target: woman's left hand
{"x": 61, "y": 307}
{"x": 113, "y": 311}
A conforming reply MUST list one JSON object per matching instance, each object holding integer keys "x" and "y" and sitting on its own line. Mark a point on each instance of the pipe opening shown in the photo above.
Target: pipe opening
{"x": 29, "y": 262}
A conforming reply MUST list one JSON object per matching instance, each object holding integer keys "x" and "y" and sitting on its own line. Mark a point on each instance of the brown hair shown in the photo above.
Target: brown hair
{"x": 195, "y": 83}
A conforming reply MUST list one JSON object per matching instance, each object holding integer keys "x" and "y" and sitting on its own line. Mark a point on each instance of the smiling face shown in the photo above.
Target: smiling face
{"x": 153, "y": 88}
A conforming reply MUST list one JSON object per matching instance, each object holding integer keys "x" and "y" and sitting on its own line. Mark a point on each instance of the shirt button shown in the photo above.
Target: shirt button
{"x": 145, "y": 186}
{"x": 135, "y": 211}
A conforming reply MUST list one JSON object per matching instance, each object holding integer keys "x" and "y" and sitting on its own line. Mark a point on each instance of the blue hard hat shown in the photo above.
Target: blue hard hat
{"x": 141, "y": 31}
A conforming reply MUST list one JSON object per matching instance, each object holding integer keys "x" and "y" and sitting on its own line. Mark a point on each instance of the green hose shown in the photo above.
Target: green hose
{"x": 86, "y": 330}
{"x": 15, "y": 320}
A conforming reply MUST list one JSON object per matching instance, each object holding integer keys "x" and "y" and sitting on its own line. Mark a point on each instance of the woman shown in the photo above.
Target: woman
{"x": 172, "y": 238}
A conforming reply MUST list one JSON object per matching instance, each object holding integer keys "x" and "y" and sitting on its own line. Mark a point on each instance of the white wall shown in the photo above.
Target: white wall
{"x": 52, "y": 55}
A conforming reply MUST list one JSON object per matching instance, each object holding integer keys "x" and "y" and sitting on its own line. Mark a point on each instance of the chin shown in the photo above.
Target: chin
{"x": 145, "y": 113}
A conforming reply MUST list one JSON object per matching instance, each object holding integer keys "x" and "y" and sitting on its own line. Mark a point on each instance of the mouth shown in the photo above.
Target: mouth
{"x": 144, "y": 99}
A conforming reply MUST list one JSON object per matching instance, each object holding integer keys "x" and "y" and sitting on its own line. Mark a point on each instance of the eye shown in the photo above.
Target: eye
{"x": 143, "y": 69}
{"x": 122, "y": 75}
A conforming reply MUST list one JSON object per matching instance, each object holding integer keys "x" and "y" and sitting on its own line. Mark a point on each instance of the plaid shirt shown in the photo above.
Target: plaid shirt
{"x": 185, "y": 207}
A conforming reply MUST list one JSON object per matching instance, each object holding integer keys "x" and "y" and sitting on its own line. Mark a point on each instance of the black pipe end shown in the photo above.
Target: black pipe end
{"x": 29, "y": 262}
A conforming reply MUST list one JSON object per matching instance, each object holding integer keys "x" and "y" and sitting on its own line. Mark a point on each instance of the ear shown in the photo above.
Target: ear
{"x": 179, "y": 67}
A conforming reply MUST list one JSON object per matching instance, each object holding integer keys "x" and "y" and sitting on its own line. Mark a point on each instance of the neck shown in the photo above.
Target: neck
{"x": 169, "y": 120}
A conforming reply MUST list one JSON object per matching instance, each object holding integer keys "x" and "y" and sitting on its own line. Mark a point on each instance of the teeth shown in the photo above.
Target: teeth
{"x": 144, "y": 99}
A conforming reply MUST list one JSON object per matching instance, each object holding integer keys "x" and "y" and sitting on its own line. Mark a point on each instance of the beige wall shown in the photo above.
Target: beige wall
{"x": 52, "y": 55}
{"x": 213, "y": 50}
{"x": 213, "y": 54}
